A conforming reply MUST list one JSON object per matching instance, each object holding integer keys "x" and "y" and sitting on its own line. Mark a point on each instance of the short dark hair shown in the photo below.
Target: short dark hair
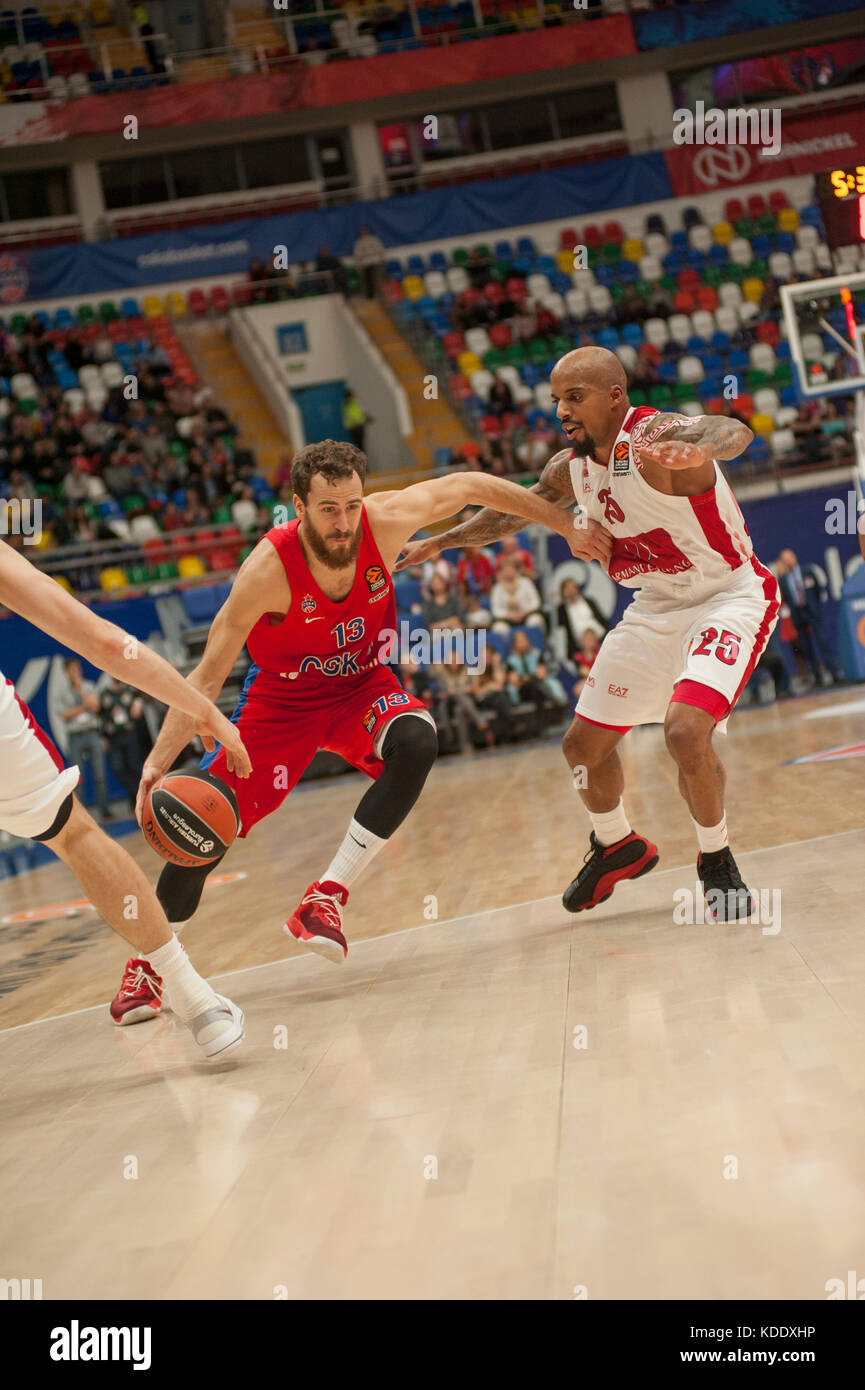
{"x": 332, "y": 458}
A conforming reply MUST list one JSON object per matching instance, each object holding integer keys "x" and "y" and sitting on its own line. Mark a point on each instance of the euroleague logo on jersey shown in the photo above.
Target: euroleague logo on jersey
{"x": 375, "y": 577}
{"x": 622, "y": 457}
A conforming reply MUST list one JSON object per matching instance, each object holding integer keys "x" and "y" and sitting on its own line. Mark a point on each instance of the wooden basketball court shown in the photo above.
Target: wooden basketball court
{"x": 491, "y": 1098}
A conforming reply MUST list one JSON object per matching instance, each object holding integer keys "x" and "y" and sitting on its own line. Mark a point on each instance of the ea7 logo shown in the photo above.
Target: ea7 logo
{"x": 617, "y": 690}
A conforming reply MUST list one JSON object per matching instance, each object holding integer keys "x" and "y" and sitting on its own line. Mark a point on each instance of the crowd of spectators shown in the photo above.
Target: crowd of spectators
{"x": 170, "y": 458}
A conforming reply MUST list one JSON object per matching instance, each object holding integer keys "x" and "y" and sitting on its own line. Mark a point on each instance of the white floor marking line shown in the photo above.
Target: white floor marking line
{"x": 447, "y": 921}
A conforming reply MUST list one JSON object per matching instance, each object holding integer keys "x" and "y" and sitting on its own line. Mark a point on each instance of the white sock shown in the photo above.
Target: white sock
{"x": 188, "y": 994}
{"x": 712, "y": 837}
{"x": 353, "y": 855}
{"x": 610, "y": 826}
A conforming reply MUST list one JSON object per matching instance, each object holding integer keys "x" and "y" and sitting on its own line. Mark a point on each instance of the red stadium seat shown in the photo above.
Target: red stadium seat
{"x": 745, "y": 406}
{"x": 684, "y": 302}
{"x": 454, "y": 344}
{"x": 471, "y": 449}
{"x": 470, "y": 296}
{"x": 460, "y": 386}
{"x": 568, "y": 239}
{"x": 242, "y": 293}
{"x": 197, "y": 302}
{"x": 490, "y": 425}
{"x": 778, "y": 199}
{"x": 707, "y": 298}
{"x": 757, "y": 206}
{"x": 515, "y": 289}
{"x": 769, "y": 332}
{"x": 500, "y": 335}
{"x": 592, "y": 236}
{"x": 688, "y": 279}
{"x": 219, "y": 299}
{"x": 493, "y": 292}
{"x": 734, "y": 211}
{"x": 613, "y": 234}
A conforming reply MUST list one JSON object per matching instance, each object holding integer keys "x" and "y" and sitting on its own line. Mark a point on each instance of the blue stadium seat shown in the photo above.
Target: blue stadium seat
{"x": 202, "y": 603}
{"x": 504, "y": 249}
{"x": 130, "y": 309}
{"x": 526, "y": 247}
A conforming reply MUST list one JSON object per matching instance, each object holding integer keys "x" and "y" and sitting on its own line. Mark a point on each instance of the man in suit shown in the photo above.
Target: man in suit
{"x": 803, "y": 590}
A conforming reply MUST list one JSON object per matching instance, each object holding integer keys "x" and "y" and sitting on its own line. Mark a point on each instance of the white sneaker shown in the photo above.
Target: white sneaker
{"x": 218, "y": 1030}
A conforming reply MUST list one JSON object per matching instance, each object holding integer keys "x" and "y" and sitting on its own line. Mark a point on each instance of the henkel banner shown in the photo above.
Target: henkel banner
{"x": 806, "y": 146}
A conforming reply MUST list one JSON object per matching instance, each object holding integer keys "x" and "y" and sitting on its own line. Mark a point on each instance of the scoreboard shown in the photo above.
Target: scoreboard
{"x": 841, "y": 196}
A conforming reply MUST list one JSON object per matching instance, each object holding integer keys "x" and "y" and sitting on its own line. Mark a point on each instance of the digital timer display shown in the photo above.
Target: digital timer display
{"x": 841, "y": 197}
{"x": 847, "y": 182}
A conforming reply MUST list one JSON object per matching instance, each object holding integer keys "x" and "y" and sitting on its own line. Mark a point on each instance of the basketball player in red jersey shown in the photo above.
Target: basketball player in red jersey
{"x": 311, "y": 603}
{"x": 37, "y": 800}
{"x": 686, "y": 646}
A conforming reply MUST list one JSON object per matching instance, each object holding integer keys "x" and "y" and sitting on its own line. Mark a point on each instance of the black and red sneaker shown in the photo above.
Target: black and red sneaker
{"x": 727, "y": 898}
{"x": 607, "y": 865}
{"x": 318, "y": 920}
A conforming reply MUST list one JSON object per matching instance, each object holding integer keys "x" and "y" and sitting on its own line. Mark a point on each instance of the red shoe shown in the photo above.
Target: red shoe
{"x": 139, "y": 996}
{"x": 318, "y": 920}
{"x": 607, "y": 865}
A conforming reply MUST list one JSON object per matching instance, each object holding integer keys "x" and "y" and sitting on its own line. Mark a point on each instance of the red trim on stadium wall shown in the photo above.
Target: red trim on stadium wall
{"x": 329, "y": 84}
{"x": 807, "y": 146}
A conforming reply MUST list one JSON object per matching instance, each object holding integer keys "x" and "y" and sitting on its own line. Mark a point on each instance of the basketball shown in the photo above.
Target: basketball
{"x": 190, "y": 818}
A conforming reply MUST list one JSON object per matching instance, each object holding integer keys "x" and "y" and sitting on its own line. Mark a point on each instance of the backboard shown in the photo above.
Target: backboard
{"x": 825, "y": 322}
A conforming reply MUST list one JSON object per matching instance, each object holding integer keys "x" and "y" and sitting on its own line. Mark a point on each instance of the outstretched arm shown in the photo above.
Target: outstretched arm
{"x": 27, "y": 591}
{"x": 397, "y": 515}
{"x": 682, "y": 441}
{"x": 494, "y": 521}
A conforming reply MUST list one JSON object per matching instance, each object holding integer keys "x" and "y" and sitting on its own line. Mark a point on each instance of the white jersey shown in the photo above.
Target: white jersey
{"x": 676, "y": 550}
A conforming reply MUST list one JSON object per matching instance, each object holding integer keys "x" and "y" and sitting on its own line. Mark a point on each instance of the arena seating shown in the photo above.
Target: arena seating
{"x": 721, "y": 326}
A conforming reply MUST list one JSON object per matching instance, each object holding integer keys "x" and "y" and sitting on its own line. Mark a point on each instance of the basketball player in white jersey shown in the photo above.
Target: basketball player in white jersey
{"x": 668, "y": 525}
{"x": 37, "y": 799}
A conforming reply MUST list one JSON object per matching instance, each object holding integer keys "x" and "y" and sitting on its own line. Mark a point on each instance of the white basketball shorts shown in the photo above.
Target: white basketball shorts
{"x": 702, "y": 654}
{"x": 34, "y": 782}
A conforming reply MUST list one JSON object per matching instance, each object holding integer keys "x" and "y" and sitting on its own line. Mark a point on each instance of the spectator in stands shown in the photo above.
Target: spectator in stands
{"x": 121, "y": 712}
{"x": 574, "y": 615}
{"x": 283, "y": 473}
{"x": 244, "y": 509}
{"x": 79, "y": 485}
{"x": 172, "y": 517}
{"x": 536, "y": 683}
{"x": 79, "y": 710}
{"x": 632, "y": 307}
{"x": 146, "y": 31}
{"x": 456, "y": 712}
{"x": 442, "y": 608}
{"x": 417, "y": 682}
{"x": 475, "y": 574}
{"x": 584, "y": 659}
{"x": 659, "y": 303}
{"x": 803, "y": 589}
{"x": 501, "y": 397}
{"x": 477, "y": 267}
{"x": 117, "y": 476}
{"x": 514, "y": 600}
{"x": 369, "y": 257}
{"x": 537, "y": 447}
{"x": 524, "y": 325}
{"x": 812, "y": 447}
{"x": 835, "y": 428}
{"x": 20, "y": 485}
{"x": 490, "y": 693}
{"x": 354, "y": 418}
{"x": 516, "y": 554}
{"x": 770, "y": 299}
{"x": 335, "y": 279}
{"x": 258, "y": 278}
{"x": 194, "y": 513}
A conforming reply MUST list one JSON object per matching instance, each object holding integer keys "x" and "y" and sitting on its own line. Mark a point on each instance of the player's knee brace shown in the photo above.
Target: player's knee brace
{"x": 409, "y": 750}
{"x": 180, "y": 888}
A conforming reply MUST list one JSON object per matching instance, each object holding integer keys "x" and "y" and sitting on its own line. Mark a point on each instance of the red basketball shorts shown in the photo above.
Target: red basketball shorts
{"x": 283, "y": 727}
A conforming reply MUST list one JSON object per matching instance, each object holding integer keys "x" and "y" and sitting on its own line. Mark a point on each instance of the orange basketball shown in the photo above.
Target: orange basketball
{"x": 190, "y": 818}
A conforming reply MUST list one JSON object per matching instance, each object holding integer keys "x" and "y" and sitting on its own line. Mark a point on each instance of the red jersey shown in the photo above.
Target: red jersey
{"x": 319, "y": 639}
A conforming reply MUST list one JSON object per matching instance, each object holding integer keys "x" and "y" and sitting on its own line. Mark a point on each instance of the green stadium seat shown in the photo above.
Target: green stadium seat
{"x": 108, "y": 311}
{"x": 85, "y": 314}
{"x": 459, "y": 255}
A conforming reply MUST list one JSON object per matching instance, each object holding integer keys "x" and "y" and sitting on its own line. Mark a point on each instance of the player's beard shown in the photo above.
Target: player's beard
{"x": 334, "y": 559}
{"x": 583, "y": 447}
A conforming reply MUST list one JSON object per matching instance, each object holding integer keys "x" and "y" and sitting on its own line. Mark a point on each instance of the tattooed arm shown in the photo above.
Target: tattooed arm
{"x": 682, "y": 441}
{"x": 554, "y": 485}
